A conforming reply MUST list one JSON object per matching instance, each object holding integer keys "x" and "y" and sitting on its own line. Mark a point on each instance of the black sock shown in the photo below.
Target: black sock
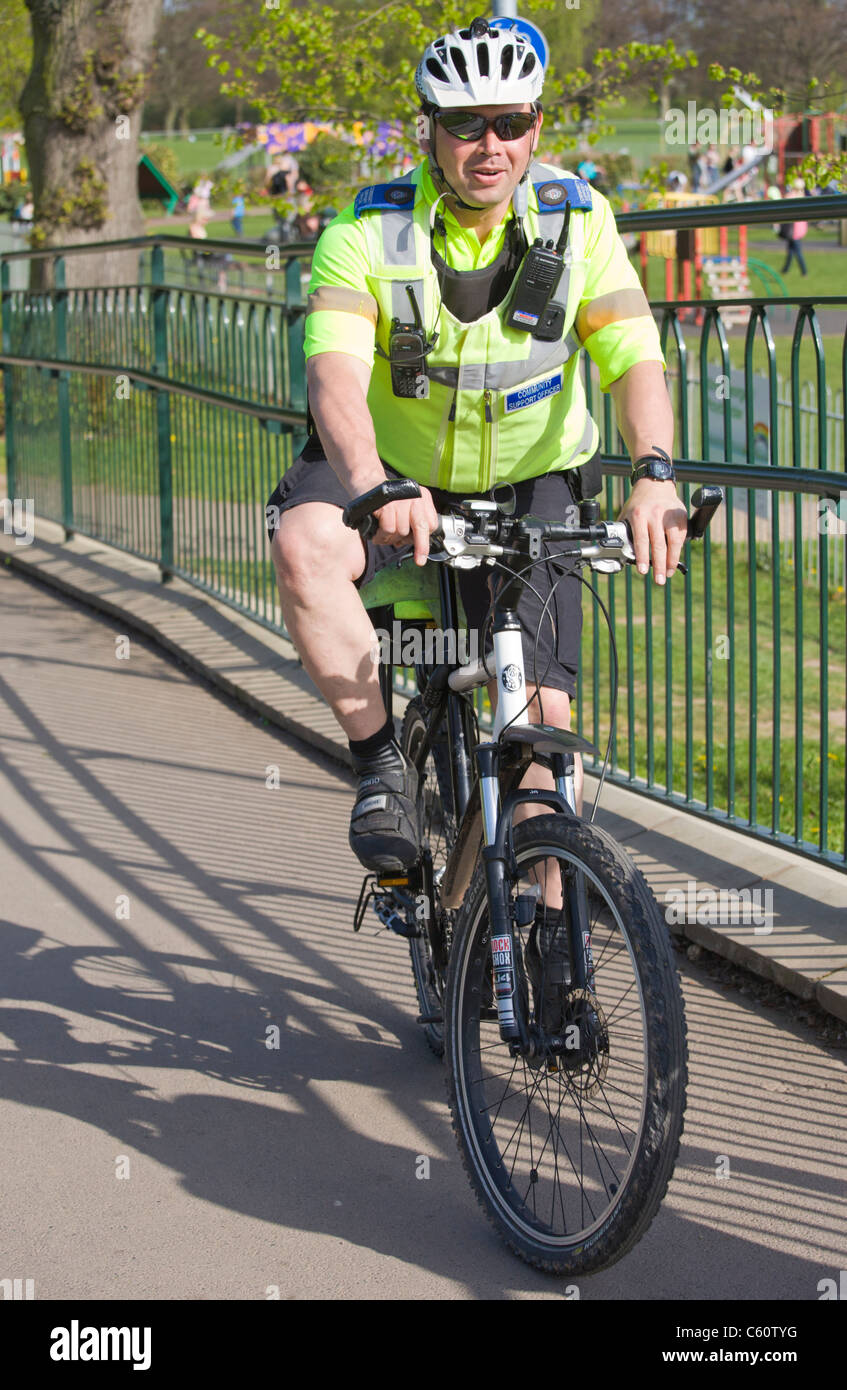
{"x": 366, "y": 749}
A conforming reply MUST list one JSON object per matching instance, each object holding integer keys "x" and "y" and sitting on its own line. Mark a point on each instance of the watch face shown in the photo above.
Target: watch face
{"x": 655, "y": 468}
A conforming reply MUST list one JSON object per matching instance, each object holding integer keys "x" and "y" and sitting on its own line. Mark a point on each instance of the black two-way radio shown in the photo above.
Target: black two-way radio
{"x": 408, "y": 347}
{"x": 531, "y": 309}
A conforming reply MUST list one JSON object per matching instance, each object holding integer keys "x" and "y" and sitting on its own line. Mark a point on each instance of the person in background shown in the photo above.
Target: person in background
{"x": 711, "y": 172}
{"x": 696, "y": 165}
{"x": 792, "y": 233}
{"x": 201, "y": 198}
{"x": 282, "y": 176}
{"x": 238, "y": 214}
{"x": 307, "y": 220}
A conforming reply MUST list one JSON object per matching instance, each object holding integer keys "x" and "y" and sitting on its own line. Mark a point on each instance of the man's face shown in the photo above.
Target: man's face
{"x": 487, "y": 171}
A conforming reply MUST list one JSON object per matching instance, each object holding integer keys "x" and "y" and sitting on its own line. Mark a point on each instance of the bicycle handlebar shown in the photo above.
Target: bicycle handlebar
{"x": 599, "y": 536}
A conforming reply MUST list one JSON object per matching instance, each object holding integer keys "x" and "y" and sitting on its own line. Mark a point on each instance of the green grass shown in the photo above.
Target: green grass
{"x": 758, "y": 650}
{"x": 256, "y": 226}
{"x": 640, "y": 137}
{"x": 827, "y": 273}
{"x": 195, "y": 157}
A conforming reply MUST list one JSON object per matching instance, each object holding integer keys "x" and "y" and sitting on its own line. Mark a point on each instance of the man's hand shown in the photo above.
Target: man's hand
{"x": 401, "y": 520}
{"x": 658, "y": 521}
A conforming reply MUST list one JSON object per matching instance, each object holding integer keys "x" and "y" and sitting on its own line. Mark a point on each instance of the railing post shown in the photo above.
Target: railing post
{"x": 163, "y": 413}
{"x": 63, "y": 393}
{"x": 6, "y": 319}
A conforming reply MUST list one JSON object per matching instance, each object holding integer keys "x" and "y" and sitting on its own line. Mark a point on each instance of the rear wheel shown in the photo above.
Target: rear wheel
{"x": 430, "y": 950}
{"x": 570, "y": 1151}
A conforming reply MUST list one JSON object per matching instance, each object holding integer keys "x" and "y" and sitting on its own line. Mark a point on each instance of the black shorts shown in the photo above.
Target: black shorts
{"x": 551, "y": 651}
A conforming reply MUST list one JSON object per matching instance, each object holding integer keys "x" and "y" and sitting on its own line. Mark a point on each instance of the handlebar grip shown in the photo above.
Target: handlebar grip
{"x": 706, "y": 501}
{"x": 359, "y": 514}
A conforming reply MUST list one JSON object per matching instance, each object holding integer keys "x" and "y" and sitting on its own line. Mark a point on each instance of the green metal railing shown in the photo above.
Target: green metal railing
{"x": 158, "y": 414}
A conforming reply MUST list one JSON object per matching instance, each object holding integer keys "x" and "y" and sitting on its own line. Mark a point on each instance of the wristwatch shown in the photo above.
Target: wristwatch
{"x": 656, "y": 465}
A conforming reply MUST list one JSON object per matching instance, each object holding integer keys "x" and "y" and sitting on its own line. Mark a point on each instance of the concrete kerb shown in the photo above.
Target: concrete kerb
{"x": 687, "y": 860}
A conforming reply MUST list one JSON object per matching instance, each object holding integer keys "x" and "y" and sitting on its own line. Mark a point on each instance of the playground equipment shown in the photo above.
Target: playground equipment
{"x": 11, "y": 167}
{"x": 706, "y": 266}
{"x": 686, "y": 249}
{"x": 798, "y": 135}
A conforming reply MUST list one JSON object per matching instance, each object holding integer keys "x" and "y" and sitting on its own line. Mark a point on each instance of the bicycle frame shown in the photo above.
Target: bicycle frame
{"x": 481, "y": 815}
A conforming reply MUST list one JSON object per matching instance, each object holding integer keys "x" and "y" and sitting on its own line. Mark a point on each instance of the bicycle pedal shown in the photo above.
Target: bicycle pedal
{"x": 430, "y": 1018}
{"x": 390, "y": 917}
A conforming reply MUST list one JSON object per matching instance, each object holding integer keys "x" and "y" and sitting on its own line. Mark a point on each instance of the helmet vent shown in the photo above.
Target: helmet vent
{"x": 459, "y": 63}
{"x": 528, "y": 65}
{"x": 506, "y": 57}
{"x": 436, "y": 69}
{"x": 482, "y": 59}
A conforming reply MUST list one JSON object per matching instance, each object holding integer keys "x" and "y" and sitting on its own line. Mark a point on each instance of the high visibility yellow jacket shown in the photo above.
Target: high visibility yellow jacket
{"x": 501, "y": 406}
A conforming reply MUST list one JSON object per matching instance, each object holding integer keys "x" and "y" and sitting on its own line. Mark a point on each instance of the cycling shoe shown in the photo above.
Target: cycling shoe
{"x": 384, "y": 830}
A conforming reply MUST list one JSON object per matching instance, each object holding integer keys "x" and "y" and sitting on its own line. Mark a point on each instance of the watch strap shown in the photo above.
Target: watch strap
{"x": 656, "y": 465}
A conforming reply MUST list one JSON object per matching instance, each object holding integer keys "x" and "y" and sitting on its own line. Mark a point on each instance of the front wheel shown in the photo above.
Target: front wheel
{"x": 429, "y": 950}
{"x": 570, "y": 1152}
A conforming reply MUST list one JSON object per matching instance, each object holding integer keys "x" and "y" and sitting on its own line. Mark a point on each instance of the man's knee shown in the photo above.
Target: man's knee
{"x": 553, "y": 708}
{"x": 311, "y": 543}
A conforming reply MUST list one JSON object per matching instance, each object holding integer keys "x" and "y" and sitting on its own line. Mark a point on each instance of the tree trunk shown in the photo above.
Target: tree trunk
{"x": 82, "y": 118}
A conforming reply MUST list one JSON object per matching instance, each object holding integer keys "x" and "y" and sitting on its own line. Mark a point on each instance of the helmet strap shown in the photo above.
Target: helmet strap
{"x": 520, "y": 197}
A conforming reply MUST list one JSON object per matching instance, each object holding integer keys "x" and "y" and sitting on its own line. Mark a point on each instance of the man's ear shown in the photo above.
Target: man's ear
{"x": 422, "y": 131}
{"x": 536, "y": 134}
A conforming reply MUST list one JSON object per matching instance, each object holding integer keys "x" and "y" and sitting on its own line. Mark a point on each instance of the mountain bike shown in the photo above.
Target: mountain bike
{"x": 543, "y": 965}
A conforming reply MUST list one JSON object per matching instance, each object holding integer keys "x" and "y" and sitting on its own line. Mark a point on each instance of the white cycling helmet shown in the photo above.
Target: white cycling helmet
{"x": 479, "y": 66}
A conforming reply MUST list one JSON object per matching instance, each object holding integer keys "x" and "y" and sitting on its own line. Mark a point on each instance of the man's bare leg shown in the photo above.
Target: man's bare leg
{"x": 317, "y": 559}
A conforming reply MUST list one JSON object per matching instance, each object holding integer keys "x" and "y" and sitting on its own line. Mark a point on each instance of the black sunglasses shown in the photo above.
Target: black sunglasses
{"x": 468, "y": 125}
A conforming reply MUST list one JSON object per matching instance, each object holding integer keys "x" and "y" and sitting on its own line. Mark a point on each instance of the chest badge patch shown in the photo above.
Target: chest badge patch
{"x": 530, "y": 395}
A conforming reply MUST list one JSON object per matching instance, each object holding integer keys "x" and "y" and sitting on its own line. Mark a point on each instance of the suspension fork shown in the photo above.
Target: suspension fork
{"x": 576, "y": 894}
{"x": 513, "y": 1027}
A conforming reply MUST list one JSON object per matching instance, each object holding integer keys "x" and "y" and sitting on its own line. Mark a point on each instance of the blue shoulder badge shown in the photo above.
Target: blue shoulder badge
{"x": 551, "y": 194}
{"x": 384, "y": 197}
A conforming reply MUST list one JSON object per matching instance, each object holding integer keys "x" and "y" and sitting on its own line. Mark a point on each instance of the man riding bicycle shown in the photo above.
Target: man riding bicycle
{"x": 437, "y": 350}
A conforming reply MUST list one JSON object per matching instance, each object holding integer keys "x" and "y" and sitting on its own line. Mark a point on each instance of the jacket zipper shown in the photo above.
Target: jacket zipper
{"x": 490, "y": 443}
